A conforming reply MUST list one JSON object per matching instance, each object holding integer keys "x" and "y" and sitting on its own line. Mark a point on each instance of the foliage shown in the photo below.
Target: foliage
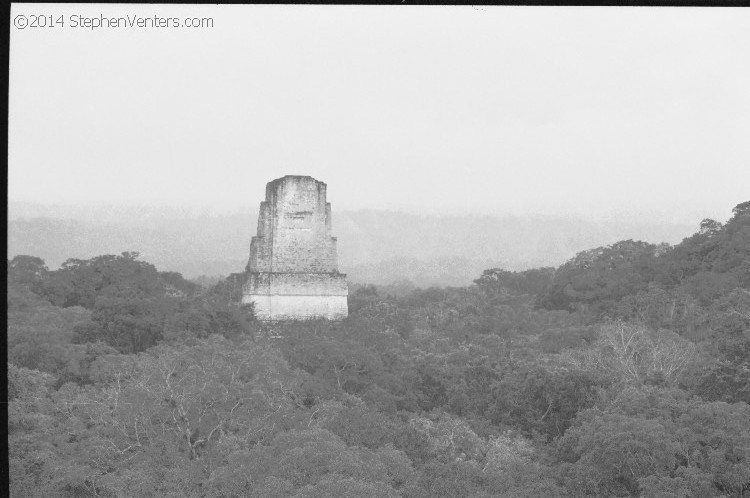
{"x": 651, "y": 438}
{"x": 625, "y": 372}
{"x": 526, "y": 282}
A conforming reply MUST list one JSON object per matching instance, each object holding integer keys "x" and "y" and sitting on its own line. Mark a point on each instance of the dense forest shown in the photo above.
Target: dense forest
{"x": 624, "y": 372}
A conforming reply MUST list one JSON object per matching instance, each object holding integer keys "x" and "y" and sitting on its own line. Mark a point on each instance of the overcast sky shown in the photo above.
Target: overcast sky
{"x": 584, "y": 111}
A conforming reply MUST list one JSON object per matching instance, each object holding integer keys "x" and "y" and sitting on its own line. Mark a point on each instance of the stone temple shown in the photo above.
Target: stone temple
{"x": 293, "y": 270}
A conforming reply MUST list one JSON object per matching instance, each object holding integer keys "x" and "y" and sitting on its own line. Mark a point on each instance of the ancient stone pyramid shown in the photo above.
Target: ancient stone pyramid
{"x": 293, "y": 272}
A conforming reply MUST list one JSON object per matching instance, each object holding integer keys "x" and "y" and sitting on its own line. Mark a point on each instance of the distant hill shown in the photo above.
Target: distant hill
{"x": 374, "y": 246}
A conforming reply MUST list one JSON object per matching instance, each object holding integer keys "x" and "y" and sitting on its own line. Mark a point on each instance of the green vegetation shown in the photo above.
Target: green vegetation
{"x": 625, "y": 372}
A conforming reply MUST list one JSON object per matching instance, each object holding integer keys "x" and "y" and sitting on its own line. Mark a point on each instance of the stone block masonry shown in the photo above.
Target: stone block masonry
{"x": 293, "y": 272}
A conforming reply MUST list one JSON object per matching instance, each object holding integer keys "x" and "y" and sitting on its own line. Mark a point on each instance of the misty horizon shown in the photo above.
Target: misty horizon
{"x": 375, "y": 246}
{"x": 106, "y": 211}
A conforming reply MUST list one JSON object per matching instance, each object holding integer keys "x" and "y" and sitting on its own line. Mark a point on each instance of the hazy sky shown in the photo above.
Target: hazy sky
{"x": 487, "y": 109}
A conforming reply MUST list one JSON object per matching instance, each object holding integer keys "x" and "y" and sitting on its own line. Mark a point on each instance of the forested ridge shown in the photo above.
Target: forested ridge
{"x": 624, "y": 372}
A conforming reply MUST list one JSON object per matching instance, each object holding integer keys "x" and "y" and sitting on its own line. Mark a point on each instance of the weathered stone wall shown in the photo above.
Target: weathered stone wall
{"x": 294, "y": 229}
{"x": 293, "y": 270}
{"x": 271, "y": 307}
{"x": 317, "y": 284}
